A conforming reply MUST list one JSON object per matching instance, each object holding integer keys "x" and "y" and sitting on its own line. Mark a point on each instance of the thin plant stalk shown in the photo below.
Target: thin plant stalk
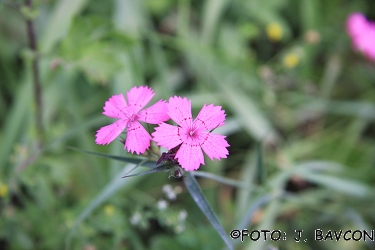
{"x": 35, "y": 72}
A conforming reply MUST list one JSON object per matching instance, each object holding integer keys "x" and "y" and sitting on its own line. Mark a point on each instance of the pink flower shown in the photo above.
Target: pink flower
{"x": 137, "y": 138}
{"x": 193, "y": 136}
{"x": 362, "y": 33}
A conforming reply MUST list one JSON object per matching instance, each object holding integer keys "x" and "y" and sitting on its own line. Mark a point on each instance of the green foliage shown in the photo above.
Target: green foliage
{"x": 91, "y": 46}
{"x": 300, "y": 122}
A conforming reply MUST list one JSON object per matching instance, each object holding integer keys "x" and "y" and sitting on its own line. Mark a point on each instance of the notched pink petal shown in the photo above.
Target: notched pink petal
{"x": 115, "y": 107}
{"x": 210, "y": 117}
{"x": 155, "y": 114}
{"x": 215, "y": 146}
{"x": 190, "y": 157}
{"x": 108, "y": 133}
{"x": 168, "y": 136}
{"x": 179, "y": 109}
{"x": 137, "y": 138}
{"x": 138, "y": 97}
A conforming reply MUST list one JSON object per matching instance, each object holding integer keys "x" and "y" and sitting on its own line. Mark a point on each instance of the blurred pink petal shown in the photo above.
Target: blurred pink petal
{"x": 362, "y": 33}
{"x": 192, "y": 136}
{"x": 108, "y": 133}
{"x": 356, "y": 24}
{"x": 137, "y": 138}
{"x": 179, "y": 109}
{"x": 155, "y": 114}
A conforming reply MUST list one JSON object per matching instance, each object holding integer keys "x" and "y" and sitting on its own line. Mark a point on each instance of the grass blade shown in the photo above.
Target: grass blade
{"x": 138, "y": 161}
{"x": 153, "y": 170}
{"x": 345, "y": 186}
{"x": 197, "y": 194}
{"x": 224, "y": 180}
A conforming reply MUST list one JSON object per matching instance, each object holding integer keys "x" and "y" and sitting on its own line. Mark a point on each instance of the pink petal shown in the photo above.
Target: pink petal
{"x": 138, "y": 97}
{"x": 215, "y": 146}
{"x": 137, "y": 138}
{"x": 167, "y": 135}
{"x": 179, "y": 109}
{"x": 108, "y": 133}
{"x": 155, "y": 114}
{"x": 210, "y": 117}
{"x": 356, "y": 24}
{"x": 369, "y": 43}
{"x": 115, "y": 107}
{"x": 190, "y": 157}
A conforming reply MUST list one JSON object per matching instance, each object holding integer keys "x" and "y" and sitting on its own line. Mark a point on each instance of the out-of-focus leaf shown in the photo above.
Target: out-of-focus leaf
{"x": 270, "y": 215}
{"x": 142, "y": 162}
{"x": 245, "y": 221}
{"x": 249, "y": 114}
{"x": 98, "y": 62}
{"x": 316, "y": 172}
{"x": 224, "y": 180}
{"x": 213, "y": 10}
{"x": 343, "y": 185}
{"x": 201, "y": 201}
{"x": 364, "y": 110}
{"x": 110, "y": 189}
{"x": 59, "y": 23}
{"x": 15, "y": 122}
{"x": 92, "y": 47}
{"x": 262, "y": 173}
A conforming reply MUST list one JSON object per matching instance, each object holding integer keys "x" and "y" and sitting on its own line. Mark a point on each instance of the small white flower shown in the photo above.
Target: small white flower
{"x": 136, "y": 218}
{"x": 169, "y": 192}
{"x": 162, "y": 204}
{"x": 182, "y": 215}
{"x": 179, "y": 229}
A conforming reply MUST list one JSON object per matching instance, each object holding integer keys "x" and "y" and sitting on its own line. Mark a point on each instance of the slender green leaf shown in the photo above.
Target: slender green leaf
{"x": 262, "y": 174}
{"x": 140, "y": 161}
{"x": 15, "y": 122}
{"x": 245, "y": 221}
{"x": 248, "y": 114}
{"x": 270, "y": 216}
{"x": 199, "y": 198}
{"x": 153, "y": 170}
{"x": 224, "y": 180}
{"x": 213, "y": 10}
{"x": 343, "y": 185}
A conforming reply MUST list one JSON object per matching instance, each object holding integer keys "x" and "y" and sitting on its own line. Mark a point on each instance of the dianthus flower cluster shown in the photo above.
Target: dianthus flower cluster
{"x": 185, "y": 140}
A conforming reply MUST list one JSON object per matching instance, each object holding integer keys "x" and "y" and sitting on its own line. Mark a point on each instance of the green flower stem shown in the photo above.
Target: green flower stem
{"x": 35, "y": 72}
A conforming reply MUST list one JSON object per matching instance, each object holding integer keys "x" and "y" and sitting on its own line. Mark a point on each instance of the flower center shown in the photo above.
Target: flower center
{"x": 134, "y": 117}
{"x": 193, "y": 131}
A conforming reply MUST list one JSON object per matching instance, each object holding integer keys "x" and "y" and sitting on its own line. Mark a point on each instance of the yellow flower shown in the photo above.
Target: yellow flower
{"x": 109, "y": 210}
{"x": 3, "y": 190}
{"x": 291, "y": 60}
{"x": 274, "y": 32}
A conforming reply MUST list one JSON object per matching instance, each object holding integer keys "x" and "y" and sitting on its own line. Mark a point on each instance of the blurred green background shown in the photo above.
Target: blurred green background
{"x": 300, "y": 122}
